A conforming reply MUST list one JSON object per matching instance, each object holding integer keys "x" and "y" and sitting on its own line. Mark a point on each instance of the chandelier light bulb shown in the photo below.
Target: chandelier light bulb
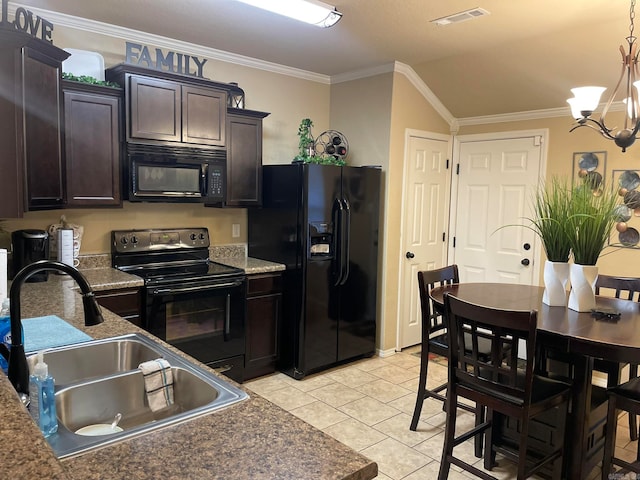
{"x": 587, "y": 98}
{"x": 575, "y": 109}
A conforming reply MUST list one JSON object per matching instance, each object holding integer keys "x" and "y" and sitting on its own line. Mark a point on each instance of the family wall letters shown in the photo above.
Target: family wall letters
{"x": 142, "y": 55}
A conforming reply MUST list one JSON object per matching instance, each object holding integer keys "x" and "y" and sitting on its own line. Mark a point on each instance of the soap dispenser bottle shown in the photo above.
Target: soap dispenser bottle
{"x": 42, "y": 398}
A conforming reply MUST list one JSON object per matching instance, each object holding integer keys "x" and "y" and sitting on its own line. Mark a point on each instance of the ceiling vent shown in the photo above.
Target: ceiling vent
{"x": 461, "y": 16}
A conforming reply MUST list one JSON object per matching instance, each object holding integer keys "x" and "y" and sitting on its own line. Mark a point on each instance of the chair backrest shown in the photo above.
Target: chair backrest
{"x": 432, "y": 323}
{"x": 498, "y": 377}
{"x": 623, "y": 287}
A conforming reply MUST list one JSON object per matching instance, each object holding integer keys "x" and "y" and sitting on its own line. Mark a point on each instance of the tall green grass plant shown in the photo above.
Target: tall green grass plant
{"x": 551, "y": 206}
{"x": 590, "y": 220}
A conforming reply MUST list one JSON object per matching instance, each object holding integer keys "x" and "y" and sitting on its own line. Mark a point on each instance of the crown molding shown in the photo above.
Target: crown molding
{"x": 115, "y": 31}
{"x": 529, "y": 115}
{"x": 92, "y": 26}
{"x": 410, "y": 74}
{"x": 426, "y": 92}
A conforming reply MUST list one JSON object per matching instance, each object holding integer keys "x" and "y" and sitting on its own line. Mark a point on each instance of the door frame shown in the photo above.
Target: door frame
{"x": 408, "y": 133}
{"x": 543, "y": 133}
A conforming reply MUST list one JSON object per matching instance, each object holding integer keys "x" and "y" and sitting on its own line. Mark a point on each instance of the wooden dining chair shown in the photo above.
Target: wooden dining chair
{"x": 434, "y": 336}
{"x": 504, "y": 384}
{"x": 623, "y": 397}
{"x": 626, "y": 288}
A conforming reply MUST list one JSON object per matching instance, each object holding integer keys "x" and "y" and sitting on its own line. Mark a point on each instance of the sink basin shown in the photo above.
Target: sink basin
{"x": 100, "y": 400}
{"x": 84, "y": 361}
{"x": 98, "y": 379}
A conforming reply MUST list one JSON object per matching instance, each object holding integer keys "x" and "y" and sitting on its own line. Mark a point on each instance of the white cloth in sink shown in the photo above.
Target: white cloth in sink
{"x": 158, "y": 383}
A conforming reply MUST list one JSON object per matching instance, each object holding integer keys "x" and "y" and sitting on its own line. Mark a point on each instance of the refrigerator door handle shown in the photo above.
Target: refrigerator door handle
{"x": 337, "y": 242}
{"x": 345, "y": 235}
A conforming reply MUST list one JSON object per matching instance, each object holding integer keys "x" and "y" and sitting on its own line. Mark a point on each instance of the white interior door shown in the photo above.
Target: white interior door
{"x": 495, "y": 184}
{"x": 424, "y": 224}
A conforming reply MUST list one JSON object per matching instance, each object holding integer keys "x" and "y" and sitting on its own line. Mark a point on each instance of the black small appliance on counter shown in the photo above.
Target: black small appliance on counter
{"x": 30, "y": 246}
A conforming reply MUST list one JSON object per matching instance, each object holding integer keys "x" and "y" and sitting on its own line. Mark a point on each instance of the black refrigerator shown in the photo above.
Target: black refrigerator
{"x": 321, "y": 221}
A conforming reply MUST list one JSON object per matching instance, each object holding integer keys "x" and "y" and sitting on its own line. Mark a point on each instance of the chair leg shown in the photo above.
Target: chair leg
{"x": 609, "y": 438}
{"x": 522, "y": 451}
{"x": 633, "y": 419}
{"x": 477, "y": 441}
{"x": 449, "y": 434}
{"x": 489, "y": 453}
{"x": 422, "y": 386}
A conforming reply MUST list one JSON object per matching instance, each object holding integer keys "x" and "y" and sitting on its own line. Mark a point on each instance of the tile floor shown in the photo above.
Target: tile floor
{"x": 368, "y": 405}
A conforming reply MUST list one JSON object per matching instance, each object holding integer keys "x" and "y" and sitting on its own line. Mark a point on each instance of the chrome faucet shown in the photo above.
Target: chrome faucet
{"x": 18, "y": 367}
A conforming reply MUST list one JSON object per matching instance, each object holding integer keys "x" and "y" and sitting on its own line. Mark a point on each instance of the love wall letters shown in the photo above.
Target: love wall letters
{"x": 26, "y": 21}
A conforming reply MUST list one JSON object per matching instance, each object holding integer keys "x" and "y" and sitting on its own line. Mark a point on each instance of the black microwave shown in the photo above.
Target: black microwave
{"x": 167, "y": 178}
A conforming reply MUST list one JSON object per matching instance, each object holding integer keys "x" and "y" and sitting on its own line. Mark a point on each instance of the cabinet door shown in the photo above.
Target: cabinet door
{"x": 43, "y": 130}
{"x": 154, "y": 109}
{"x": 244, "y": 161}
{"x": 11, "y": 160}
{"x": 264, "y": 307}
{"x": 92, "y": 149}
{"x": 125, "y": 302}
{"x": 203, "y": 116}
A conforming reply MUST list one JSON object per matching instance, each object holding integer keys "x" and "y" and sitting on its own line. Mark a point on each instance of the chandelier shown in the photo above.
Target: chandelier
{"x": 586, "y": 99}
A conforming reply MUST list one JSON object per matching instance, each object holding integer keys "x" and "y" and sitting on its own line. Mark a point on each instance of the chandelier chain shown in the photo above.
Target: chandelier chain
{"x": 632, "y": 15}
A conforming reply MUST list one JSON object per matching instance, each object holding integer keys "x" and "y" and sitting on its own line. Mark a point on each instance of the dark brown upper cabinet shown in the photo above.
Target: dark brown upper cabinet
{"x": 92, "y": 144}
{"x": 244, "y": 158}
{"x": 172, "y": 109}
{"x": 31, "y": 119}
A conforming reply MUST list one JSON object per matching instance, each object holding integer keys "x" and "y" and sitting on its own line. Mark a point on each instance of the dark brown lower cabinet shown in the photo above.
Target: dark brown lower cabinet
{"x": 264, "y": 310}
{"x": 125, "y": 302}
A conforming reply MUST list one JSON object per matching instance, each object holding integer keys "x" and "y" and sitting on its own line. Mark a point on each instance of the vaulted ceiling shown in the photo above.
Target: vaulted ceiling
{"x": 525, "y": 55}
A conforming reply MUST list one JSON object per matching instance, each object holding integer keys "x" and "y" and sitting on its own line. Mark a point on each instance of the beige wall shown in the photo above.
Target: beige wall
{"x": 409, "y": 110}
{"x": 373, "y": 113}
{"x": 288, "y": 100}
{"x": 562, "y": 145}
{"x": 360, "y": 109}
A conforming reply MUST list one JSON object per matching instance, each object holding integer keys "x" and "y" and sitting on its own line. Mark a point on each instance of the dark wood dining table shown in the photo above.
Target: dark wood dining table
{"x": 578, "y": 334}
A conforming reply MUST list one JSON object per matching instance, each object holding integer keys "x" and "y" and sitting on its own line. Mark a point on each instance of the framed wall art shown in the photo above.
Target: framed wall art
{"x": 626, "y": 233}
{"x": 591, "y": 166}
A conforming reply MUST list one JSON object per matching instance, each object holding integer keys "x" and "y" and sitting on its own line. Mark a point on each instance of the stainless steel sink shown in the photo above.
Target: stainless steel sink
{"x": 98, "y": 401}
{"x": 84, "y": 361}
{"x": 96, "y": 380}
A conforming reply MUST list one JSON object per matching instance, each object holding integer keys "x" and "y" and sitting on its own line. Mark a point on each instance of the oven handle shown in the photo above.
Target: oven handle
{"x": 161, "y": 291}
{"x": 227, "y": 320}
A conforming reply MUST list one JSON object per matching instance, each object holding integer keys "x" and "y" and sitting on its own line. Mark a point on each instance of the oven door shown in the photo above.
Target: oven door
{"x": 205, "y": 319}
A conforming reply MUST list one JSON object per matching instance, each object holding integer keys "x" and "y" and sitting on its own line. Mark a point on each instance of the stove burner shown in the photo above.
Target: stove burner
{"x": 181, "y": 257}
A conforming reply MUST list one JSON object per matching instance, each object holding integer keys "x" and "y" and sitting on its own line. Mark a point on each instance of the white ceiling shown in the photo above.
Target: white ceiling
{"x": 525, "y": 55}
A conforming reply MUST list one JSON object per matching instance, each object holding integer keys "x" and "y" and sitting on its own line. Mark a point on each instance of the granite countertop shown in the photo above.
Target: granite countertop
{"x": 97, "y": 268}
{"x": 254, "y": 439}
{"x": 251, "y": 265}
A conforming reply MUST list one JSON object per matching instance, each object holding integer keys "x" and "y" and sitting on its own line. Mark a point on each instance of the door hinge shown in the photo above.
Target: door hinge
{"x": 447, "y": 164}
{"x": 458, "y": 169}
{"x": 538, "y": 140}
{"x": 454, "y": 242}
{"x": 444, "y": 236}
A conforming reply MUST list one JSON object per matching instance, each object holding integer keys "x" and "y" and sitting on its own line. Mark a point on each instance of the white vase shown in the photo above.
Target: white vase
{"x": 556, "y": 276}
{"x": 583, "y": 284}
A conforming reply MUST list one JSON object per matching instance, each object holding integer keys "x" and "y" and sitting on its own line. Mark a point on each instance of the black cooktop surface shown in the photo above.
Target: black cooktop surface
{"x": 182, "y": 273}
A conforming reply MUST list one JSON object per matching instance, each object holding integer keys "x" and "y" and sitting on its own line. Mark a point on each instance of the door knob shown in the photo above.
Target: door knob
{"x": 525, "y": 262}
{"x": 527, "y": 246}
{"x": 409, "y": 255}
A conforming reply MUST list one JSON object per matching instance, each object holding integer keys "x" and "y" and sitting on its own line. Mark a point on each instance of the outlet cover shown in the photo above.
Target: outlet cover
{"x": 235, "y": 230}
